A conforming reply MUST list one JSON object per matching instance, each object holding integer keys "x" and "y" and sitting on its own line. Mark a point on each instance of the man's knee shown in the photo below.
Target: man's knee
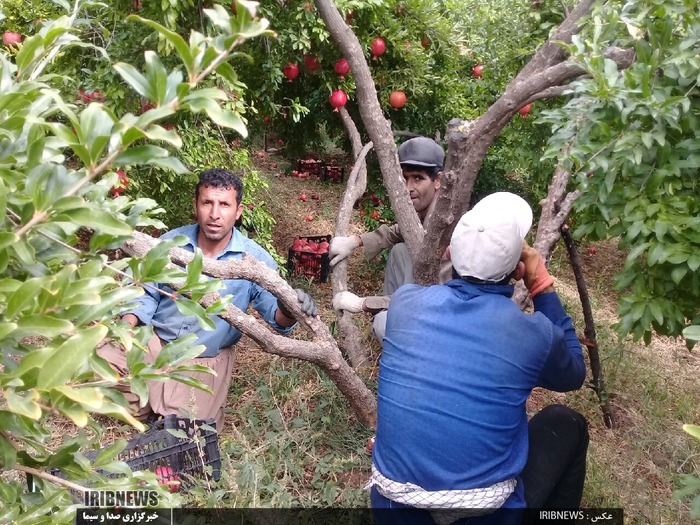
{"x": 379, "y": 326}
{"x": 563, "y": 420}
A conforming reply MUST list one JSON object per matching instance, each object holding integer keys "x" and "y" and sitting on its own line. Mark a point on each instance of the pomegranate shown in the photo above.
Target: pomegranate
{"x": 10, "y": 38}
{"x": 478, "y": 70}
{"x": 397, "y": 99}
{"x": 291, "y": 71}
{"x": 338, "y": 99}
{"x": 525, "y": 110}
{"x": 311, "y": 63}
{"x": 377, "y": 47}
{"x": 425, "y": 42}
{"x": 167, "y": 477}
{"x": 342, "y": 68}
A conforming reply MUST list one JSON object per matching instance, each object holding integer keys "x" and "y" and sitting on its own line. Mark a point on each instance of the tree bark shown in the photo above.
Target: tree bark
{"x": 322, "y": 350}
{"x": 598, "y": 382}
{"x": 378, "y": 128}
{"x": 350, "y": 335}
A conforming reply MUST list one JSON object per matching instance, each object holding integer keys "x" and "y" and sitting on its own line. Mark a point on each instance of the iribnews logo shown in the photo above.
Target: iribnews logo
{"x": 121, "y": 498}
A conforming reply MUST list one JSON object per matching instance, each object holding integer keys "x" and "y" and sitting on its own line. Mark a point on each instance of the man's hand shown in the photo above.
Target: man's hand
{"x": 349, "y": 302}
{"x": 341, "y": 247}
{"x": 308, "y": 306}
{"x": 536, "y": 278}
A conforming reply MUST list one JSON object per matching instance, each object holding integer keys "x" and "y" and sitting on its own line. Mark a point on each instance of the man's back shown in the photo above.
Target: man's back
{"x": 463, "y": 359}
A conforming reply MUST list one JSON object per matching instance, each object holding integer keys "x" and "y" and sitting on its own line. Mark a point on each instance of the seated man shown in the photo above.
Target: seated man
{"x": 217, "y": 206}
{"x": 458, "y": 364}
{"x": 421, "y": 162}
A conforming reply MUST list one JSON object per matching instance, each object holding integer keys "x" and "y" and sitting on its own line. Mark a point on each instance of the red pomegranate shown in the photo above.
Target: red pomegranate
{"x": 342, "y": 67}
{"x": 377, "y": 47}
{"x": 525, "y": 110}
{"x": 397, "y": 99}
{"x": 291, "y": 71}
{"x": 311, "y": 63}
{"x": 338, "y": 99}
{"x": 10, "y": 38}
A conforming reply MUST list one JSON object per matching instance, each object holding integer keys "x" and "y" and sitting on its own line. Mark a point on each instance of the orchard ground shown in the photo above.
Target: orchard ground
{"x": 290, "y": 439}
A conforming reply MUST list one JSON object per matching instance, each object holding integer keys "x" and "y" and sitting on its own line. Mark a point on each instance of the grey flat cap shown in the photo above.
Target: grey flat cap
{"x": 421, "y": 151}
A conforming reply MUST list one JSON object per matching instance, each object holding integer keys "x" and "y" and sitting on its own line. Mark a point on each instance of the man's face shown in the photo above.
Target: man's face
{"x": 217, "y": 211}
{"x": 421, "y": 189}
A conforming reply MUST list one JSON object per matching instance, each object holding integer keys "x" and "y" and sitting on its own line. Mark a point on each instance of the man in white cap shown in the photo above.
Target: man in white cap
{"x": 458, "y": 363}
{"x": 421, "y": 161}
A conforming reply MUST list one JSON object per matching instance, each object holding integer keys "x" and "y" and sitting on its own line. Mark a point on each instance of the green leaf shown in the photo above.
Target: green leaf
{"x": 88, "y": 396}
{"x": 8, "y": 456}
{"x": 156, "y": 76}
{"x": 141, "y": 155}
{"x": 189, "y": 307}
{"x": 190, "y": 381}
{"x": 7, "y": 238}
{"x": 68, "y": 358}
{"x": 692, "y": 332}
{"x": 178, "y": 351}
{"x": 42, "y": 324}
{"x": 24, "y": 405}
{"x": 693, "y": 430}
{"x": 227, "y": 119}
{"x": 99, "y": 220}
{"x": 173, "y": 38}
{"x": 108, "y": 454}
{"x": 76, "y": 413}
{"x": 135, "y": 79}
{"x": 25, "y": 294}
{"x": 194, "y": 268}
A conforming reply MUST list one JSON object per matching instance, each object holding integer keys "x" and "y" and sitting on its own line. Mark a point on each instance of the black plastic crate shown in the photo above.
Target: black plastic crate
{"x": 309, "y": 264}
{"x": 182, "y": 457}
{"x": 311, "y": 166}
{"x": 333, "y": 173}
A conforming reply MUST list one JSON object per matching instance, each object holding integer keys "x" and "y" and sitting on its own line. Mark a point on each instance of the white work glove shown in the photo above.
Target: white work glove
{"x": 340, "y": 248}
{"x": 348, "y": 301}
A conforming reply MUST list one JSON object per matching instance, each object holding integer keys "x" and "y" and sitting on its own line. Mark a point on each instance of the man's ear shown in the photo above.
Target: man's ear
{"x": 519, "y": 271}
{"x": 438, "y": 180}
{"x": 448, "y": 254}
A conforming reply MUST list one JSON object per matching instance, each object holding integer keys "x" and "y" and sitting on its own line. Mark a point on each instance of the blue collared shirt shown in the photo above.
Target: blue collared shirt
{"x": 169, "y": 324}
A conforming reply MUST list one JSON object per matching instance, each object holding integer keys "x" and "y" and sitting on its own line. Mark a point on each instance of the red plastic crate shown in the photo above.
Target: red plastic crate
{"x": 333, "y": 173}
{"x": 311, "y": 166}
{"x": 309, "y": 265}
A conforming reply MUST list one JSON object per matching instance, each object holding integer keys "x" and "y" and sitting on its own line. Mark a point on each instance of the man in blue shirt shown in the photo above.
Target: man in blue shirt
{"x": 217, "y": 206}
{"x": 458, "y": 363}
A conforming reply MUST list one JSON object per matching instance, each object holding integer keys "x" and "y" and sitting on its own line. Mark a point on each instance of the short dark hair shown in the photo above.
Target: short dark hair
{"x": 220, "y": 178}
{"x": 430, "y": 171}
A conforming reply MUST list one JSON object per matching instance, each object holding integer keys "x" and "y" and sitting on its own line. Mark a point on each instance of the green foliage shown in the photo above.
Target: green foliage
{"x": 690, "y": 483}
{"x": 57, "y": 302}
{"x": 634, "y": 152}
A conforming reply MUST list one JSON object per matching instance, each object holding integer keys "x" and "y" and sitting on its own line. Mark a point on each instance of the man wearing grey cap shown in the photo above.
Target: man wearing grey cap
{"x": 421, "y": 161}
{"x": 458, "y": 364}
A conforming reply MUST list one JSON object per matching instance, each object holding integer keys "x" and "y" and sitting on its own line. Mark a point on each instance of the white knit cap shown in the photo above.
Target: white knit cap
{"x": 488, "y": 240}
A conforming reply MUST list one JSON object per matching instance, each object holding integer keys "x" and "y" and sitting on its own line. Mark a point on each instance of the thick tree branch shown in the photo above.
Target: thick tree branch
{"x": 322, "y": 351}
{"x": 378, "y": 127}
{"x": 468, "y": 142}
{"x": 350, "y": 336}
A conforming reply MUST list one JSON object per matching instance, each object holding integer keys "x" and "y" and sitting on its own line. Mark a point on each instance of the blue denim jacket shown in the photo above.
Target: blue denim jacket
{"x": 169, "y": 324}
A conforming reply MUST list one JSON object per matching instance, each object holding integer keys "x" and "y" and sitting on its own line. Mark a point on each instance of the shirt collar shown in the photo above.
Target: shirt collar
{"x": 480, "y": 289}
{"x": 235, "y": 245}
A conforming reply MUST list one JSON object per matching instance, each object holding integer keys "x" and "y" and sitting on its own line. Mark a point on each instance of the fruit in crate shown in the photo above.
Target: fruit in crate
{"x": 168, "y": 478}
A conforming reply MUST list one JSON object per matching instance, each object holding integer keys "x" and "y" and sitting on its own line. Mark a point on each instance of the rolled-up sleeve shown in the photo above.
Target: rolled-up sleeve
{"x": 148, "y": 304}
